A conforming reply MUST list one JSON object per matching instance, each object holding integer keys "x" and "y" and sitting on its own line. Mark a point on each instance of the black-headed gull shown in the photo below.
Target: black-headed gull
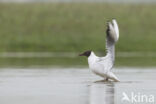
{"x": 102, "y": 66}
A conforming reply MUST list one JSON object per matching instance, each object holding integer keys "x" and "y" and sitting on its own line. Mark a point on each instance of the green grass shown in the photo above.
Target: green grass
{"x": 75, "y": 27}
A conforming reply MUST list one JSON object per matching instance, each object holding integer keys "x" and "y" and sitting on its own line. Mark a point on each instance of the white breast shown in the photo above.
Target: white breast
{"x": 99, "y": 66}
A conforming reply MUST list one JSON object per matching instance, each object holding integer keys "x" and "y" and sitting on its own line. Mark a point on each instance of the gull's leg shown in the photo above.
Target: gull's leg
{"x": 106, "y": 79}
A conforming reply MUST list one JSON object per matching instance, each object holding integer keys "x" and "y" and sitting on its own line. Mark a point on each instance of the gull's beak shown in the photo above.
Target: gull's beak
{"x": 81, "y": 54}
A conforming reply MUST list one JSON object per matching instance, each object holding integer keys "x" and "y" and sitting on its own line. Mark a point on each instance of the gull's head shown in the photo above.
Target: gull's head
{"x": 86, "y": 53}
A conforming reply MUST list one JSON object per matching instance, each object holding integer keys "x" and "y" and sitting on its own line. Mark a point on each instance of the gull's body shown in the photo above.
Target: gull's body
{"x": 102, "y": 66}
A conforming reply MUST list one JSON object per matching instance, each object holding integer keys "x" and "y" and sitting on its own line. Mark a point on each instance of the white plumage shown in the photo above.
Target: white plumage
{"x": 102, "y": 66}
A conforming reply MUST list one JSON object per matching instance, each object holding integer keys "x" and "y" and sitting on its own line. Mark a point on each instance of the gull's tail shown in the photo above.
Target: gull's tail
{"x": 112, "y": 76}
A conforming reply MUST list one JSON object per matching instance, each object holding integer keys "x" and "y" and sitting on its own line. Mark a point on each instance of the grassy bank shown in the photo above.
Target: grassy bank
{"x": 73, "y": 62}
{"x": 75, "y": 27}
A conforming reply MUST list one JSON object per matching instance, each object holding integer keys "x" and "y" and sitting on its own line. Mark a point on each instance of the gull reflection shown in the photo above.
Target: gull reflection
{"x": 101, "y": 93}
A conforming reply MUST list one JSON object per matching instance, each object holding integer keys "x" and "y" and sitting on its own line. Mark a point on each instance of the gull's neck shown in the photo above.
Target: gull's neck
{"x": 92, "y": 54}
{"x": 92, "y": 58}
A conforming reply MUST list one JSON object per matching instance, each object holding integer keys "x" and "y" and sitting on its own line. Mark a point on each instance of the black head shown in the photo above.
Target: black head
{"x": 87, "y": 53}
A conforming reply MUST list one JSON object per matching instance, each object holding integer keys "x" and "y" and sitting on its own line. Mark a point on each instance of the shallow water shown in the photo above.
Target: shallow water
{"x": 75, "y": 86}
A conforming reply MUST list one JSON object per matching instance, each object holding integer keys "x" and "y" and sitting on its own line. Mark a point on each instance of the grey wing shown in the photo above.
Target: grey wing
{"x": 116, "y": 27}
{"x": 111, "y": 38}
{"x": 112, "y": 33}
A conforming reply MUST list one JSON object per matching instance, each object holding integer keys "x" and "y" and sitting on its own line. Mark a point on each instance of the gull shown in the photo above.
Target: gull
{"x": 102, "y": 66}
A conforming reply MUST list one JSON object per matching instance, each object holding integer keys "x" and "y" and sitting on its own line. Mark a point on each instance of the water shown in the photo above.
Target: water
{"x": 73, "y": 86}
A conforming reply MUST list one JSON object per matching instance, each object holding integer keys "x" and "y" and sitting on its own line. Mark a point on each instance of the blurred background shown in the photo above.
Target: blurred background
{"x": 45, "y": 33}
{"x": 40, "y": 41}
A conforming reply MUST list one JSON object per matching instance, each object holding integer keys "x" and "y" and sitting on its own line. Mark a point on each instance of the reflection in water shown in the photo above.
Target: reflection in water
{"x": 101, "y": 93}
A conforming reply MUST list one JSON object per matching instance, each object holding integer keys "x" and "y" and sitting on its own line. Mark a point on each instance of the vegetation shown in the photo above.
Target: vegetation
{"x": 75, "y": 27}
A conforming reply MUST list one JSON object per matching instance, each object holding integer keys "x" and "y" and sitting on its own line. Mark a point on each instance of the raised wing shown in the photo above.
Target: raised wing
{"x": 116, "y": 28}
{"x": 112, "y": 35}
{"x": 112, "y": 31}
{"x": 111, "y": 38}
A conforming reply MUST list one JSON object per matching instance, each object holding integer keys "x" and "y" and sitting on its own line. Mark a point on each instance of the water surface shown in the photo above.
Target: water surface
{"x": 73, "y": 86}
